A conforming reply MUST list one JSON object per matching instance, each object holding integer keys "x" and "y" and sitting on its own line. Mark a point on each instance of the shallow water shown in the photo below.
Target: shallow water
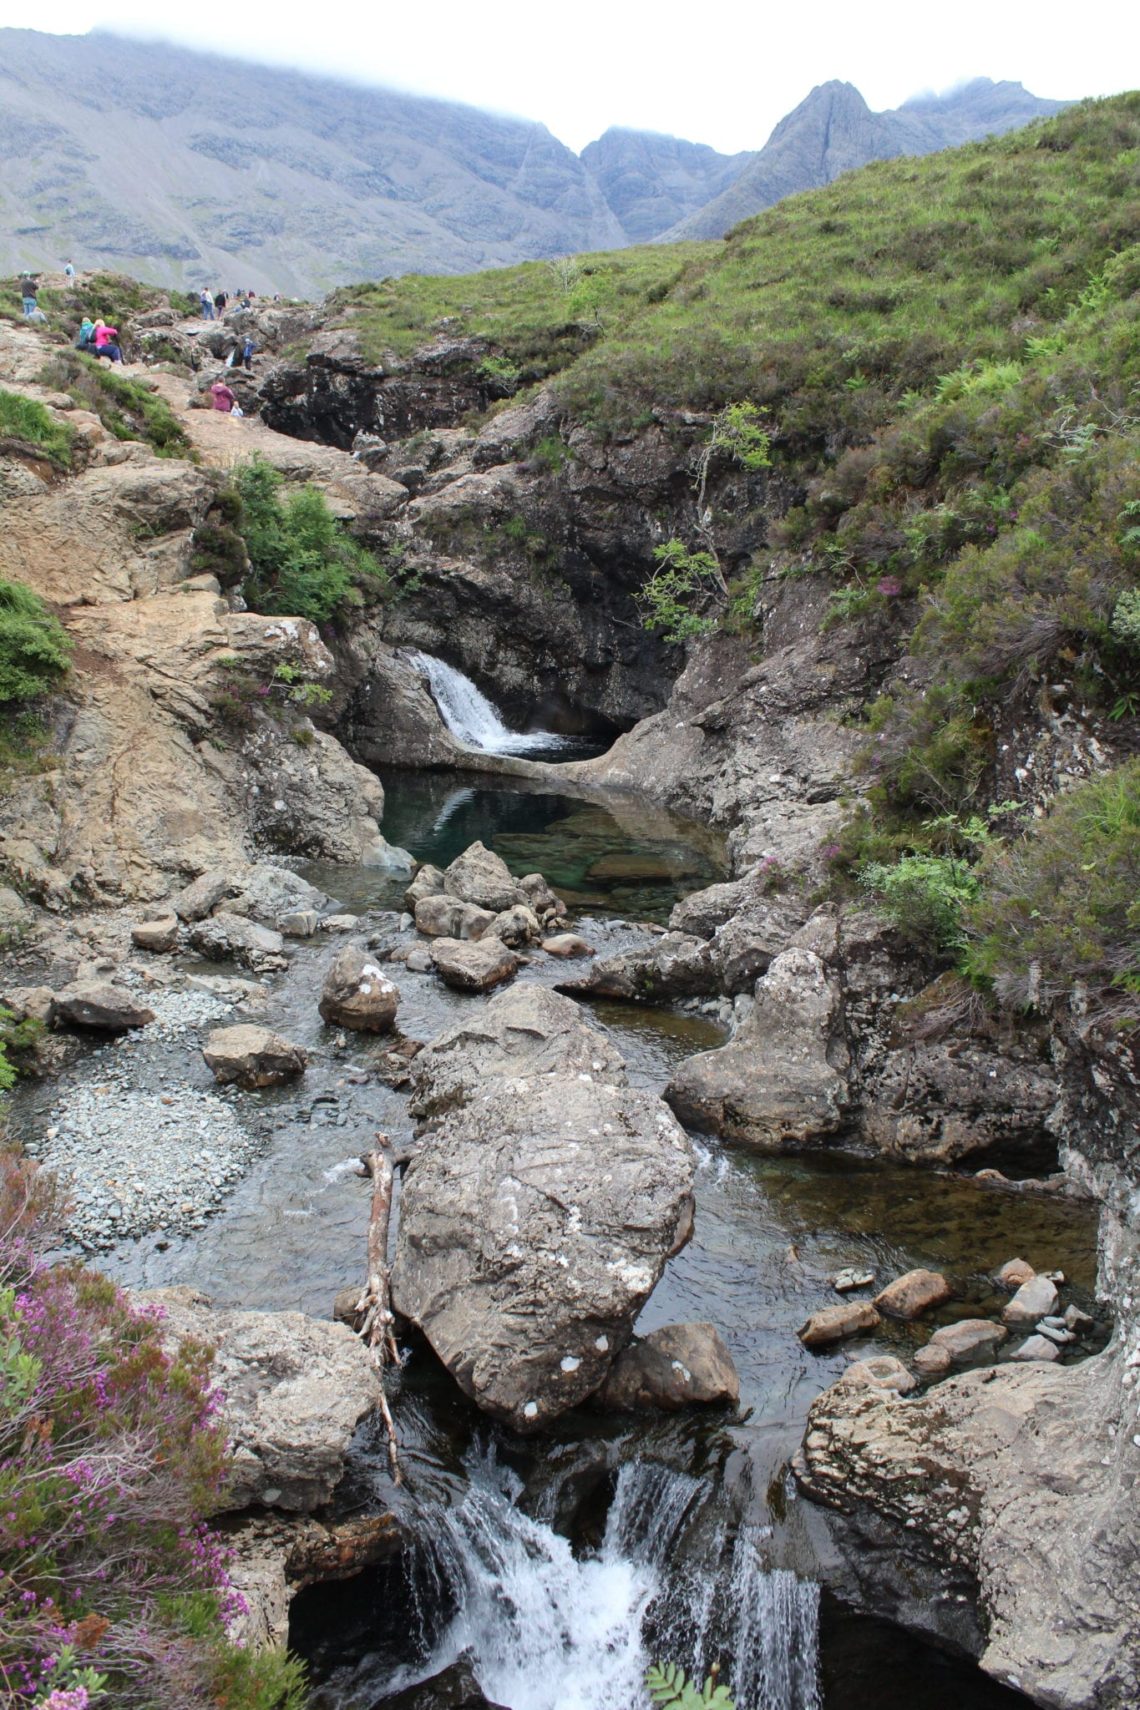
{"x": 768, "y": 1234}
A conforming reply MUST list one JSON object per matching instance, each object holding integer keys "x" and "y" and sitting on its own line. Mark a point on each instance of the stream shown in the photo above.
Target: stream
{"x": 557, "y": 1568}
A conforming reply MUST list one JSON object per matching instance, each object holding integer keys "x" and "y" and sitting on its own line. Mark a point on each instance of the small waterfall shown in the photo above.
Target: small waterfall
{"x": 470, "y": 716}
{"x": 547, "y": 1630}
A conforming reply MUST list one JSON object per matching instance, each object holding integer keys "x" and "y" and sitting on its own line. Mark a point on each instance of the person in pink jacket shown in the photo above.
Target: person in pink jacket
{"x": 107, "y": 342}
{"x": 223, "y": 398}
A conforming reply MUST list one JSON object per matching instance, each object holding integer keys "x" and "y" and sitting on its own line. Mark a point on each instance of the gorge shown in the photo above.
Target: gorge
{"x": 851, "y": 860}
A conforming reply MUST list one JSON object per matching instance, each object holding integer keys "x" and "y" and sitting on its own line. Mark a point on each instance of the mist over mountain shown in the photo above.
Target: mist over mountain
{"x": 187, "y": 168}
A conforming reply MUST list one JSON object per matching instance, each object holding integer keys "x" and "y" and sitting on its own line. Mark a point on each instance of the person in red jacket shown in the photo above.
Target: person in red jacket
{"x": 223, "y": 398}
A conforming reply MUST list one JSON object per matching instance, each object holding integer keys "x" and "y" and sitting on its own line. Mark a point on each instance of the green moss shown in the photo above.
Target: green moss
{"x": 30, "y": 423}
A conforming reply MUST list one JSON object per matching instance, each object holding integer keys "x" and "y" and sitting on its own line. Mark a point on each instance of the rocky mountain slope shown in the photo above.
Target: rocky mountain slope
{"x": 186, "y": 168}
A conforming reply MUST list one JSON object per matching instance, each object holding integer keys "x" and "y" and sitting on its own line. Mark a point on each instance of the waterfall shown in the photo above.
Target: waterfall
{"x": 470, "y": 716}
{"x": 545, "y": 1629}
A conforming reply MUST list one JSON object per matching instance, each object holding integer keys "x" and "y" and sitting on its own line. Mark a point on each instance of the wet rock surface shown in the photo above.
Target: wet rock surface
{"x": 473, "y": 967}
{"x": 252, "y": 1056}
{"x": 680, "y": 1365}
{"x": 358, "y": 994}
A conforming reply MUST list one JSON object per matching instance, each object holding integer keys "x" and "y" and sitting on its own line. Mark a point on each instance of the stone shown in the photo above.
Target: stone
{"x": 534, "y": 1223}
{"x": 252, "y": 1056}
{"x": 294, "y": 1391}
{"x": 16, "y": 917}
{"x": 1035, "y": 1299}
{"x": 932, "y": 1361}
{"x": 881, "y": 1372}
{"x": 1013, "y": 1273}
{"x": 1036, "y": 1348}
{"x": 298, "y": 923}
{"x": 428, "y": 882}
{"x": 911, "y": 1295}
{"x": 445, "y": 917}
{"x": 100, "y": 1005}
{"x": 30, "y": 1003}
{"x": 473, "y": 967}
{"x": 836, "y": 1323}
{"x": 516, "y": 927}
{"x": 418, "y": 960}
{"x": 524, "y": 1033}
{"x": 159, "y": 934}
{"x": 568, "y": 946}
{"x": 673, "y": 966}
{"x": 268, "y": 893}
{"x": 844, "y": 1281}
{"x": 535, "y": 890}
{"x": 1080, "y": 1323}
{"x": 235, "y": 938}
{"x": 480, "y": 876}
{"x": 1061, "y": 1337}
{"x": 971, "y": 1341}
{"x": 680, "y": 1365}
{"x": 357, "y": 995}
{"x": 202, "y": 896}
{"x": 781, "y": 1081}
{"x": 339, "y": 922}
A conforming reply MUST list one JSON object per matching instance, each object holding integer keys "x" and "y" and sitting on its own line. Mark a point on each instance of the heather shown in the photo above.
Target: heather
{"x": 113, "y": 1590}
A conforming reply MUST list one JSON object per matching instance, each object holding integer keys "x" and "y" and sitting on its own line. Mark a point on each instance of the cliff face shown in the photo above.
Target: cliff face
{"x": 834, "y": 131}
{"x": 654, "y": 182}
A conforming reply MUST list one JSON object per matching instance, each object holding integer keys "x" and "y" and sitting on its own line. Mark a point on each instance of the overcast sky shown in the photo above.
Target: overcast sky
{"x": 715, "y": 71}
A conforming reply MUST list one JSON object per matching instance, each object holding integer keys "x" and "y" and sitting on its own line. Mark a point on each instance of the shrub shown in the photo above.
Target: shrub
{"x": 682, "y": 582}
{"x": 31, "y": 422}
{"x": 33, "y": 644}
{"x": 303, "y": 563}
{"x": 670, "y": 1689}
{"x": 925, "y": 896}
{"x": 111, "y": 1457}
{"x": 1061, "y": 906}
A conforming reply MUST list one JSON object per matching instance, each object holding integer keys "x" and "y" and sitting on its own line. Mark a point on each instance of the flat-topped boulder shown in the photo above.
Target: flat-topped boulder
{"x": 473, "y": 967}
{"x": 912, "y": 1294}
{"x": 158, "y": 933}
{"x": 970, "y": 1342}
{"x": 534, "y": 1223}
{"x": 357, "y": 994}
{"x": 1035, "y": 1299}
{"x": 525, "y": 1033}
{"x": 235, "y": 938}
{"x": 837, "y": 1323}
{"x": 99, "y": 1005}
{"x": 253, "y": 1057}
{"x": 673, "y": 966}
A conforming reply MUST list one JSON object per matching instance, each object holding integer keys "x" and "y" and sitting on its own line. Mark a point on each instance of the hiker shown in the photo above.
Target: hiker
{"x": 224, "y": 399}
{"x": 107, "y": 342}
{"x": 220, "y": 302}
{"x": 69, "y": 270}
{"x": 86, "y": 339}
{"x": 28, "y": 290}
{"x": 246, "y": 357}
{"x": 207, "y": 303}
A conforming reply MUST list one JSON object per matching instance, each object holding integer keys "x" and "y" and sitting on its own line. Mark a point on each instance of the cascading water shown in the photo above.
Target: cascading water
{"x": 544, "y": 1629}
{"x": 471, "y": 717}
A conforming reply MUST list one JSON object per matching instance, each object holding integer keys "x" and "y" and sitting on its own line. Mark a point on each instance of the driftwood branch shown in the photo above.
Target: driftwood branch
{"x": 374, "y": 1308}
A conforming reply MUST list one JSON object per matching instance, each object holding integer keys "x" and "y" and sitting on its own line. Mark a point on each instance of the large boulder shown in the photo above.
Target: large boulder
{"x": 439, "y": 916}
{"x": 253, "y": 1057}
{"x": 270, "y": 894}
{"x": 673, "y": 966}
{"x": 428, "y": 882}
{"x": 357, "y": 995}
{"x": 203, "y": 894}
{"x": 293, "y": 1390}
{"x": 99, "y": 1005}
{"x": 1035, "y": 1299}
{"x": 482, "y": 877}
{"x": 233, "y": 938}
{"x": 158, "y": 933}
{"x": 781, "y": 1080}
{"x": 534, "y": 1223}
{"x": 473, "y": 967}
{"x": 525, "y": 1032}
{"x": 680, "y": 1365}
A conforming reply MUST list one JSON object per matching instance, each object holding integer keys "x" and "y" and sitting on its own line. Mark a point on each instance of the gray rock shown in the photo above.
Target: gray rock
{"x": 780, "y": 1081}
{"x": 970, "y": 1342}
{"x": 1013, "y": 1273}
{"x": 673, "y": 966}
{"x": 298, "y": 923}
{"x": 932, "y": 1361}
{"x": 912, "y": 1294}
{"x": 882, "y": 1372}
{"x": 16, "y": 916}
{"x": 836, "y": 1323}
{"x": 480, "y": 876}
{"x": 516, "y": 927}
{"x": 234, "y": 938}
{"x": 680, "y": 1365}
{"x": 535, "y": 1221}
{"x": 535, "y": 890}
{"x": 525, "y": 1032}
{"x": 30, "y": 1003}
{"x": 1035, "y": 1299}
{"x": 473, "y": 967}
{"x": 267, "y": 893}
{"x": 428, "y": 882}
{"x": 159, "y": 934}
{"x": 446, "y": 917}
{"x": 294, "y": 1389}
{"x": 1060, "y": 1336}
{"x": 1036, "y": 1348}
{"x": 1080, "y": 1323}
{"x": 98, "y": 1004}
{"x": 844, "y": 1281}
{"x": 253, "y": 1056}
{"x": 339, "y": 922}
{"x": 202, "y": 896}
{"x": 568, "y": 946}
{"x": 357, "y": 995}
{"x": 418, "y": 960}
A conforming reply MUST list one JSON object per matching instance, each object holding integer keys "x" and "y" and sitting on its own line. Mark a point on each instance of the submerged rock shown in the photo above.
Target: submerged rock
{"x": 524, "y": 1033}
{"x": 253, "y": 1057}
{"x": 912, "y": 1294}
{"x": 680, "y": 1365}
{"x": 357, "y": 995}
{"x": 534, "y": 1223}
{"x": 473, "y": 967}
{"x": 836, "y": 1323}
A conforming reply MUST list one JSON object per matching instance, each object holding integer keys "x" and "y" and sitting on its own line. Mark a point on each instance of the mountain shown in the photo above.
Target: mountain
{"x": 185, "y": 168}
{"x": 652, "y": 182}
{"x": 834, "y": 131}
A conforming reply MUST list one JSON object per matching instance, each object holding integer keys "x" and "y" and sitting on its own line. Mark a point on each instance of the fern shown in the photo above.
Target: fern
{"x": 670, "y": 1689}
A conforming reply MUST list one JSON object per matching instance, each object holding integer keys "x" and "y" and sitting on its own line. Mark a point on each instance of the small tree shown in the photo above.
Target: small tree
{"x": 33, "y": 644}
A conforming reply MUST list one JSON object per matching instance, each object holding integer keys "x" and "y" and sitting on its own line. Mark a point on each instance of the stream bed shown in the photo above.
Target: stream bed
{"x": 556, "y": 1568}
